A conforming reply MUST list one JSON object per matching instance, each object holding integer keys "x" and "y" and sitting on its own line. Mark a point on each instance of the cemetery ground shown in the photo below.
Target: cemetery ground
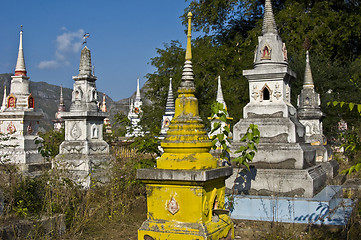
{"x": 52, "y": 206}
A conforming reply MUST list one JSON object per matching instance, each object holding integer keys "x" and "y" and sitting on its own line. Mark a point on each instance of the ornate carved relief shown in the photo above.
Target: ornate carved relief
{"x": 11, "y": 128}
{"x": 266, "y": 52}
{"x": 287, "y": 93}
{"x": 255, "y": 93}
{"x": 30, "y": 129}
{"x": 277, "y": 94}
{"x": 166, "y": 122}
{"x": 11, "y": 101}
{"x": 30, "y": 101}
{"x": 75, "y": 131}
{"x": 206, "y": 206}
{"x": 98, "y": 149}
{"x": 73, "y": 149}
{"x": 78, "y": 94}
{"x": 173, "y": 206}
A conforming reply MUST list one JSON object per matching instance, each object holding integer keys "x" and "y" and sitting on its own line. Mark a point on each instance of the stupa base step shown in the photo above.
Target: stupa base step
{"x": 221, "y": 227}
{"x": 278, "y": 182}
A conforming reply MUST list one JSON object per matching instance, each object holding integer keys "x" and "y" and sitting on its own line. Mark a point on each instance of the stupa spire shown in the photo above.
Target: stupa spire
{"x": 85, "y": 66}
{"x": 20, "y": 69}
{"x": 137, "y": 95}
{"x": 187, "y": 75}
{"x": 269, "y": 23}
{"x": 308, "y": 80}
{"x": 61, "y": 107}
{"x": 61, "y": 96}
{"x": 170, "y": 107}
{"x": 220, "y": 93}
{"x": 186, "y": 139}
{"x": 189, "y": 38}
{"x": 104, "y": 106}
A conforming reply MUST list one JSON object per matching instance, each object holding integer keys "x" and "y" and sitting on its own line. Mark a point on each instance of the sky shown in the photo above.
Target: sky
{"x": 123, "y": 38}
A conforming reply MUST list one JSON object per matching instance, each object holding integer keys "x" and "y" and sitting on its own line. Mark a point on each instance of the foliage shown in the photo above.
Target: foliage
{"x": 229, "y": 32}
{"x": 151, "y": 119}
{"x": 55, "y": 192}
{"x": 49, "y": 142}
{"x": 121, "y": 122}
{"x": 221, "y": 128}
{"x": 351, "y": 139}
{"x": 249, "y": 149}
{"x": 147, "y": 144}
{"x": 249, "y": 141}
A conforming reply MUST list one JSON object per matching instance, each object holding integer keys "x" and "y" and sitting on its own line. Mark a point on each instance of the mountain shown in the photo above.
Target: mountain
{"x": 47, "y": 100}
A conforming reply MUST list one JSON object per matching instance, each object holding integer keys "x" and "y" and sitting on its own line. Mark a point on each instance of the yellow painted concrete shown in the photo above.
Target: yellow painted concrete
{"x": 184, "y": 209}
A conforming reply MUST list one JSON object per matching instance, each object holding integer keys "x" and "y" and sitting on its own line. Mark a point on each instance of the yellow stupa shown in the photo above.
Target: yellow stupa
{"x": 186, "y": 192}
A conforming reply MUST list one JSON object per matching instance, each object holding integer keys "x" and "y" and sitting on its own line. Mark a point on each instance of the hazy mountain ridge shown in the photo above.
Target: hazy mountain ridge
{"x": 47, "y": 99}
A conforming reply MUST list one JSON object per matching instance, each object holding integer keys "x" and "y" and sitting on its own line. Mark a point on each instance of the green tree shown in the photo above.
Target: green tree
{"x": 229, "y": 31}
{"x": 121, "y": 122}
{"x": 51, "y": 140}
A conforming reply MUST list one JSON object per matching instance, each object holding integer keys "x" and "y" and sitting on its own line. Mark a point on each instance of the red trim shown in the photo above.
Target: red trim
{"x": 20, "y": 73}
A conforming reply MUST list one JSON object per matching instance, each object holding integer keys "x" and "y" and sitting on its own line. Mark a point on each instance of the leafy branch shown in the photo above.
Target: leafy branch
{"x": 350, "y": 105}
{"x": 221, "y": 127}
{"x": 249, "y": 147}
{"x": 352, "y": 142}
{"x": 221, "y": 140}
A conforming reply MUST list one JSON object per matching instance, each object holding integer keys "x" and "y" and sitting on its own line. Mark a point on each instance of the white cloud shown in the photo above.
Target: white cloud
{"x": 48, "y": 64}
{"x": 70, "y": 41}
{"x": 67, "y": 44}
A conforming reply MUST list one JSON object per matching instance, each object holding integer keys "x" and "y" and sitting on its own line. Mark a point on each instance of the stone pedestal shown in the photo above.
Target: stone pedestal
{"x": 185, "y": 204}
{"x": 84, "y": 153}
{"x": 279, "y": 182}
{"x": 22, "y": 127}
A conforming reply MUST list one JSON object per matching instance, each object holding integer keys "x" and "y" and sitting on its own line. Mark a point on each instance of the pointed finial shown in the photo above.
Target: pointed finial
{"x": 137, "y": 95}
{"x": 219, "y": 92}
{"x": 308, "y": 81}
{"x": 269, "y": 23}
{"x": 20, "y": 69}
{"x": 85, "y": 66}
{"x": 170, "y": 107}
{"x": 61, "y": 95}
{"x": 104, "y": 106}
{"x": 189, "y": 36}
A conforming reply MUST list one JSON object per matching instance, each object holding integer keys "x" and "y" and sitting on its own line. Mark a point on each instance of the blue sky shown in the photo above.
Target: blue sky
{"x": 124, "y": 36}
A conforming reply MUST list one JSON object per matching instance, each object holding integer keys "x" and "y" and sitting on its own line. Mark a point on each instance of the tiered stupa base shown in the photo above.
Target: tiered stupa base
{"x": 86, "y": 169}
{"x": 192, "y": 197}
